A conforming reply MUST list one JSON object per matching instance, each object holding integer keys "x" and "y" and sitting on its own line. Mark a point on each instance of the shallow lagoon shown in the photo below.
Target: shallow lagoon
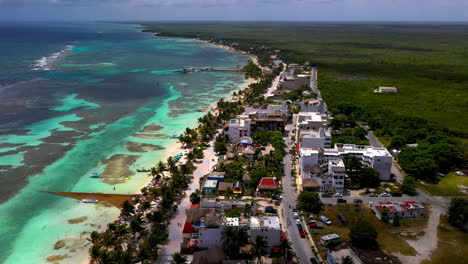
{"x": 86, "y": 107}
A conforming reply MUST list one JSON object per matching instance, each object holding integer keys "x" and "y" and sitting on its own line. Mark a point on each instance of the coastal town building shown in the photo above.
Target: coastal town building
{"x": 312, "y": 105}
{"x": 388, "y": 210}
{"x": 237, "y": 128}
{"x": 268, "y": 227}
{"x": 210, "y": 186}
{"x": 311, "y": 121}
{"x": 326, "y": 167}
{"x": 217, "y": 176}
{"x": 320, "y": 138}
{"x": 271, "y": 117}
{"x": 267, "y": 184}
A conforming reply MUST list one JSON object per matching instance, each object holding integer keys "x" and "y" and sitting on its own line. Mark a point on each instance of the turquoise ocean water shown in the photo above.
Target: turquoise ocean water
{"x": 72, "y": 97}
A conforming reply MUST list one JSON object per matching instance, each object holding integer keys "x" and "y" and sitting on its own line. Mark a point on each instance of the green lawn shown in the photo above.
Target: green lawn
{"x": 447, "y": 186}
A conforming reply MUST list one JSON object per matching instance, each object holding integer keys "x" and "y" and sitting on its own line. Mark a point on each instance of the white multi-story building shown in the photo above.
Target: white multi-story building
{"x": 311, "y": 121}
{"x": 330, "y": 176}
{"x": 237, "y": 128}
{"x": 320, "y": 138}
{"x": 267, "y": 227}
{"x": 337, "y": 172}
{"x": 326, "y": 167}
{"x": 377, "y": 158}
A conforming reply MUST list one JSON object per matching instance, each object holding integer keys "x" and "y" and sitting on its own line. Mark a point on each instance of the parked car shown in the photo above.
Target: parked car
{"x": 339, "y": 200}
{"x": 312, "y": 223}
{"x": 294, "y": 209}
{"x": 326, "y": 195}
{"x": 277, "y": 203}
{"x": 338, "y": 195}
{"x": 384, "y": 194}
{"x": 298, "y": 221}
{"x": 325, "y": 220}
{"x": 296, "y": 215}
{"x": 315, "y": 224}
{"x": 396, "y": 194}
{"x": 313, "y": 261}
{"x": 270, "y": 209}
{"x": 373, "y": 195}
{"x": 301, "y": 230}
{"x": 357, "y": 200}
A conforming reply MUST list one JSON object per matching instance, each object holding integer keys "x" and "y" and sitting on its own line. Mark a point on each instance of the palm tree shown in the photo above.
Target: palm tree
{"x": 154, "y": 171}
{"x": 161, "y": 167}
{"x": 121, "y": 232}
{"x": 170, "y": 161}
{"x": 95, "y": 252}
{"x": 286, "y": 249}
{"x": 136, "y": 225}
{"x": 178, "y": 258}
{"x": 94, "y": 237}
{"x": 229, "y": 194}
{"x": 127, "y": 208}
{"x": 233, "y": 240}
{"x": 260, "y": 248}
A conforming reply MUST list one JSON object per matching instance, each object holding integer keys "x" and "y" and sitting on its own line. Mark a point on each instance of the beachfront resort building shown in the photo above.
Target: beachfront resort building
{"x": 268, "y": 227}
{"x": 237, "y": 128}
{"x": 408, "y": 209}
{"x": 271, "y": 117}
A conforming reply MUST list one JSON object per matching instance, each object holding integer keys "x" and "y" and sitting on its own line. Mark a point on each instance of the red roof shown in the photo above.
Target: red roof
{"x": 195, "y": 206}
{"x": 268, "y": 183}
{"x": 188, "y": 228}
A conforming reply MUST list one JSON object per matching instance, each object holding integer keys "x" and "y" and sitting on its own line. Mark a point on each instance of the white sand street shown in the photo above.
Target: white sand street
{"x": 178, "y": 221}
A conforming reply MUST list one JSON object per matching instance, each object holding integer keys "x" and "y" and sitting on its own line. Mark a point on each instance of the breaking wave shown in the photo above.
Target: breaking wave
{"x": 46, "y": 63}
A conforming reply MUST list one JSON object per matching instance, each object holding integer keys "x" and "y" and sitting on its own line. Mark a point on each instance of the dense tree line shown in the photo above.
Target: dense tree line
{"x": 436, "y": 150}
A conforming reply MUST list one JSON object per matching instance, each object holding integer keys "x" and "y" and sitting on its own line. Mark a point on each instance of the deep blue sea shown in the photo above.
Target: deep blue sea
{"x": 79, "y": 98}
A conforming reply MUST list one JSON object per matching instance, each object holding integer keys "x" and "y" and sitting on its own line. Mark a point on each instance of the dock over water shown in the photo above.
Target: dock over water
{"x": 114, "y": 199}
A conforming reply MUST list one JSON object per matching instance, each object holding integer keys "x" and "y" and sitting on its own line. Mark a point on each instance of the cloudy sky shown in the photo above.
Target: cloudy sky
{"x": 265, "y": 10}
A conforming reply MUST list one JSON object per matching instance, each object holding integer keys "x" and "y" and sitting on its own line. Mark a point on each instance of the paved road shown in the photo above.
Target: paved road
{"x": 376, "y": 143}
{"x": 301, "y": 246}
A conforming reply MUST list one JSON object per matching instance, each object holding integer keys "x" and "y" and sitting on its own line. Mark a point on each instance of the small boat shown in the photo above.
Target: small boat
{"x": 174, "y": 136}
{"x": 95, "y": 175}
{"x": 143, "y": 170}
{"x": 127, "y": 178}
{"x": 92, "y": 200}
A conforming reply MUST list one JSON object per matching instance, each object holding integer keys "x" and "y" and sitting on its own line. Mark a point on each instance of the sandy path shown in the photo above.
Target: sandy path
{"x": 426, "y": 243}
{"x": 175, "y": 231}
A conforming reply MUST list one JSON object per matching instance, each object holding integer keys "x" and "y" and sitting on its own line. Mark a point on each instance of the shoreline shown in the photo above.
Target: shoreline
{"x": 175, "y": 148}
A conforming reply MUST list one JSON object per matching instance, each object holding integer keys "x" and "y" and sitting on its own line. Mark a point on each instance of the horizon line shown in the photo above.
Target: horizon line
{"x": 251, "y": 21}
